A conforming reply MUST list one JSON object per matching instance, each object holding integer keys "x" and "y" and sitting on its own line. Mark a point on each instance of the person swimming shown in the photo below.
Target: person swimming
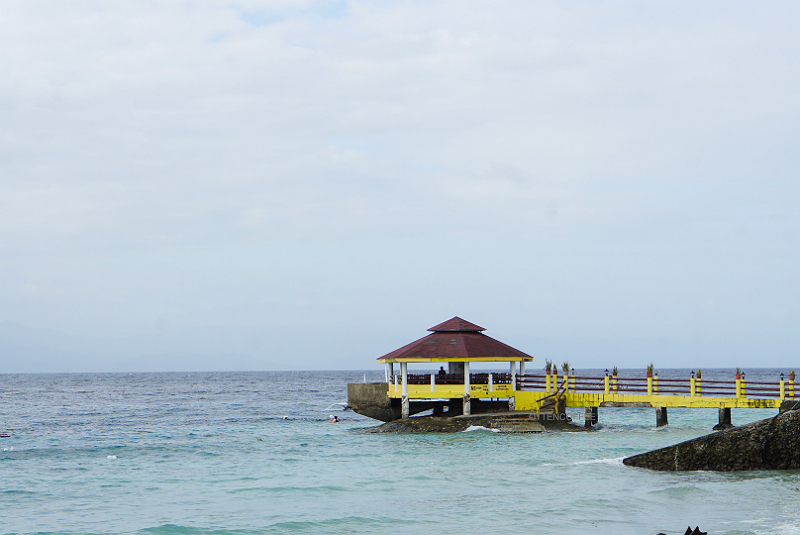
{"x": 335, "y": 419}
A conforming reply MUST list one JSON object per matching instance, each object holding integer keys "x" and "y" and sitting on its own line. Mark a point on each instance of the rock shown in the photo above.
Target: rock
{"x": 771, "y": 444}
{"x": 503, "y": 422}
{"x": 518, "y": 426}
{"x": 789, "y": 405}
{"x": 422, "y": 424}
{"x": 439, "y": 424}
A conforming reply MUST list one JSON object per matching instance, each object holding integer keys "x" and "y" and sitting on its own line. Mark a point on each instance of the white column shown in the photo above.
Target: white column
{"x": 386, "y": 373}
{"x": 491, "y": 388}
{"x": 466, "y": 389}
{"x": 404, "y": 400}
{"x": 522, "y": 368}
{"x": 512, "y": 400}
{"x": 433, "y": 382}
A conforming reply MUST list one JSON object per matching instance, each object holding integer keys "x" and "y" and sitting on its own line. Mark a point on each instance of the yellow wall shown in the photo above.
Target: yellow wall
{"x": 526, "y": 400}
{"x": 451, "y": 391}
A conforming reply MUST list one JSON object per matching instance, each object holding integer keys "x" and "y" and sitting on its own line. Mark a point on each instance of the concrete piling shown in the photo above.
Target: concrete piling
{"x": 724, "y": 419}
{"x": 591, "y": 417}
{"x": 561, "y": 409}
{"x": 661, "y": 416}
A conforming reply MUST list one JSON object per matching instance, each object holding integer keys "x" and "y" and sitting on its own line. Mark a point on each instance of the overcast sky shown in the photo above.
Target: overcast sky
{"x": 263, "y": 185}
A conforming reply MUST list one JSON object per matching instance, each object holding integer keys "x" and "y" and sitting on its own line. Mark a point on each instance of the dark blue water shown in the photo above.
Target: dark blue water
{"x": 253, "y": 453}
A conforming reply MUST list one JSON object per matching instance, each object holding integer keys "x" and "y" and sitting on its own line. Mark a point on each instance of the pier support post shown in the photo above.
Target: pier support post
{"x": 404, "y": 408}
{"x": 591, "y": 417}
{"x": 561, "y": 409}
{"x": 466, "y": 390}
{"x": 661, "y": 416}
{"x": 724, "y": 419}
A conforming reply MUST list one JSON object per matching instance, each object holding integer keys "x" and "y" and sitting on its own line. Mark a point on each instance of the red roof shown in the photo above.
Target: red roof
{"x": 457, "y": 339}
{"x": 457, "y": 324}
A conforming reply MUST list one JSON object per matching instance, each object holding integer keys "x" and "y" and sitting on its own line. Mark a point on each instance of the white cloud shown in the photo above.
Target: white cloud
{"x": 365, "y": 155}
{"x": 31, "y": 288}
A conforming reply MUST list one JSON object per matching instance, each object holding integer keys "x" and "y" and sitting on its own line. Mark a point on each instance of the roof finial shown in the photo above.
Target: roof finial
{"x": 456, "y": 324}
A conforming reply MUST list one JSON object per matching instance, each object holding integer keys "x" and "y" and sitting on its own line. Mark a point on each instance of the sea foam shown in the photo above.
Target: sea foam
{"x": 480, "y": 428}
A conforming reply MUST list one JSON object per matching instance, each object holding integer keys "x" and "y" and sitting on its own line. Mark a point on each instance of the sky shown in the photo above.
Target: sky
{"x": 281, "y": 185}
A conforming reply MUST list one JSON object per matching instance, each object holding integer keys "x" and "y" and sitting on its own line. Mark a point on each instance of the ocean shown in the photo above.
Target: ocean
{"x": 255, "y": 453}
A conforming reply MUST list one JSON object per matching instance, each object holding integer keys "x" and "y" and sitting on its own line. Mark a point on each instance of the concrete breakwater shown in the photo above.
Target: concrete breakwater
{"x": 771, "y": 444}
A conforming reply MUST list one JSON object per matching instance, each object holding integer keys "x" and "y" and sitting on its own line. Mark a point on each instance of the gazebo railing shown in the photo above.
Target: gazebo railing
{"x": 455, "y": 378}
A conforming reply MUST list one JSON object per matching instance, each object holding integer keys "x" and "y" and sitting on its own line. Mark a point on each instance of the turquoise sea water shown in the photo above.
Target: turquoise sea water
{"x": 211, "y": 453}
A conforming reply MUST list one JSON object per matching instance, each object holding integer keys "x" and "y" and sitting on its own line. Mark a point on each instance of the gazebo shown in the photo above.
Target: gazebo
{"x": 457, "y": 343}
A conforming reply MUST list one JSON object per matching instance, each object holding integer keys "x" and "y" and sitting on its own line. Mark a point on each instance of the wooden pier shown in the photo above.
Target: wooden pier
{"x": 454, "y": 391}
{"x": 551, "y": 392}
{"x": 612, "y": 391}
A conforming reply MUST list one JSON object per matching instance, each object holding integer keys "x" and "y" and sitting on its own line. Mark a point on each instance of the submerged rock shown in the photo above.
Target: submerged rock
{"x": 772, "y": 444}
{"x": 505, "y": 422}
{"x": 423, "y": 424}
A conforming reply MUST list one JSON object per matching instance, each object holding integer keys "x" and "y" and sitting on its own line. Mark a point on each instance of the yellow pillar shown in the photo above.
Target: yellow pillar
{"x": 606, "y": 385}
{"x": 691, "y": 386}
{"x": 783, "y": 388}
{"x": 744, "y": 386}
{"x": 614, "y": 382}
{"x": 699, "y": 386}
{"x": 649, "y": 385}
{"x": 655, "y": 384}
{"x": 738, "y": 386}
{"x": 791, "y": 388}
{"x": 547, "y": 381}
{"x": 512, "y": 401}
{"x": 404, "y": 405}
{"x": 467, "y": 389}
